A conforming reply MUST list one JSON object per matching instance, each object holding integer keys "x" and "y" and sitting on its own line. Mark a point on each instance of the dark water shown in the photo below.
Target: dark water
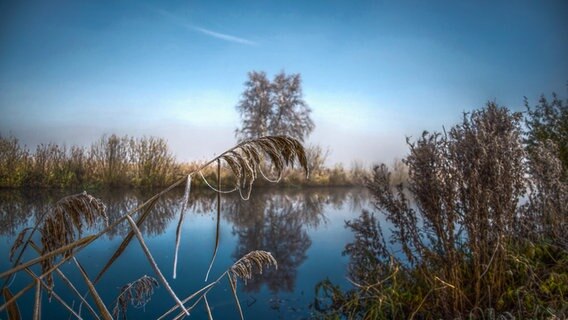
{"x": 303, "y": 229}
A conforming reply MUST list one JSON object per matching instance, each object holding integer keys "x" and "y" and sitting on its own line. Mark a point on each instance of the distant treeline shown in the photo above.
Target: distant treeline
{"x": 114, "y": 161}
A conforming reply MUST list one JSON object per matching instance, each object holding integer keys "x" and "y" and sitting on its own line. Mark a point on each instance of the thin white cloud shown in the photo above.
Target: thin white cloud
{"x": 224, "y": 36}
{"x": 218, "y": 35}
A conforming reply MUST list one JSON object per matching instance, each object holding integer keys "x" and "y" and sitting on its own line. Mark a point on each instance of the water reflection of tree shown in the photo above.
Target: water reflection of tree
{"x": 19, "y": 208}
{"x": 277, "y": 221}
{"x": 277, "y": 229}
{"x": 14, "y": 212}
{"x": 163, "y": 212}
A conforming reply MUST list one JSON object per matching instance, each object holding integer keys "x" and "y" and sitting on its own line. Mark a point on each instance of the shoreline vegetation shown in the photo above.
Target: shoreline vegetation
{"x": 479, "y": 231}
{"x": 147, "y": 162}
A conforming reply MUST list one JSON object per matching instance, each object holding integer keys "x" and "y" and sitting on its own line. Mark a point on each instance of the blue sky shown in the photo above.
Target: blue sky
{"x": 373, "y": 71}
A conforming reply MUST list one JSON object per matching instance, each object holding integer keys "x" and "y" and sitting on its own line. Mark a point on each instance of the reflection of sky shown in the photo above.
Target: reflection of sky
{"x": 373, "y": 72}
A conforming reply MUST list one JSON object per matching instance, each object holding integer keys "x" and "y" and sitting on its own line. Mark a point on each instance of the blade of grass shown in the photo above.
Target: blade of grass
{"x": 180, "y": 222}
{"x": 98, "y": 301}
{"x": 154, "y": 265}
{"x": 12, "y": 307}
{"x": 181, "y": 315}
{"x": 126, "y": 240}
{"x": 80, "y": 242}
{"x": 217, "y": 230}
{"x": 72, "y": 287}
{"x": 64, "y": 304}
{"x": 52, "y": 293}
{"x": 37, "y": 304}
{"x": 234, "y": 289}
{"x": 193, "y": 295}
{"x": 69, "y": 284}
{"x": 209, "y": 314}
{"x": 10, "y": 300}
{"x": 21, "y": 253}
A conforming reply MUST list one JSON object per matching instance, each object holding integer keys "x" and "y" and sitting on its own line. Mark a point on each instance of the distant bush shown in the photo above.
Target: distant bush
{"x": 14, "y": 162}
{"x": 111, "y": 161}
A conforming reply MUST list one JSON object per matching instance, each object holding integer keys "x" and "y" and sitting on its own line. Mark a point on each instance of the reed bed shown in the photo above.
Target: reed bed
{"x": 143, "y": 163}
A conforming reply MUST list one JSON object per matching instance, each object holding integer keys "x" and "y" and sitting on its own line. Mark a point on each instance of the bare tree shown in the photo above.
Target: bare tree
{"x": 255, "y": 107}
{"x": 273, "y": 108}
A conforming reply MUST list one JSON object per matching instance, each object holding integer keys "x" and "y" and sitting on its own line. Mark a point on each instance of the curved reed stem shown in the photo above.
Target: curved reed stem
{"x": 154, "y": 265}
{"x": 180, "y": 222}
{"x": 218, "y": 227}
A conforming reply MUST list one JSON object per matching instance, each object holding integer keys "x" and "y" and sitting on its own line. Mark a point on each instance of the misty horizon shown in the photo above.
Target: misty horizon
{"x": 373, "y": 73}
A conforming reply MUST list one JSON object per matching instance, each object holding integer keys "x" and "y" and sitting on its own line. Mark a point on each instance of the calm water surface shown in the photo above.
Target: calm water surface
{"x": 303, "y": 229}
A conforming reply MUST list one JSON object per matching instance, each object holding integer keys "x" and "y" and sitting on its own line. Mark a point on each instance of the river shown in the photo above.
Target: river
{"x": 303, "y": 229}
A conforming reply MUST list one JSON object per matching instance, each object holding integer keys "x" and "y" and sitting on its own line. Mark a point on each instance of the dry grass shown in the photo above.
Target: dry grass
{"x": 466, "y": 243}
{"x": 245, "y": 267}
{"x": 136, "y": 293}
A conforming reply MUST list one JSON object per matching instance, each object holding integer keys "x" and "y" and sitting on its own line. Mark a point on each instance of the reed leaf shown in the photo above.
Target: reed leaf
{"x": 181, "y": 315}
{"x": 98, "y": 301}
{"x": 138, "y": 293}
{"x": 233, "y": 283}
{"x": 37, "y": 304}
{"x": 217, "y": 229}
{"x": 180, "y": 222}
{"x": 12, "y": 307}
{"x": 52, "y": 293}
{"x": 193, "y": 295}
{"x": 77, "y": 293}
{"x": 48, "y": 255}
{"x": 209, "y": 314}
{"x": 126, "y": 241}
{"x": 154, "y": 265}
{"x": 69, "y": 284}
